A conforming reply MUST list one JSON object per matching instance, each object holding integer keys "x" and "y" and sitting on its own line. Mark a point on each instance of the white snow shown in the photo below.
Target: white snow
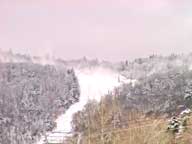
{"x": 185, "y": 112}
{"x": 94, "y": 83}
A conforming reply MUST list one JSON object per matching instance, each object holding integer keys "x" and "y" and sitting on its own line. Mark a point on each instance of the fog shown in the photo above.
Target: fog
{"x": 94, "y": 83}
{"x": 110, "y": 30}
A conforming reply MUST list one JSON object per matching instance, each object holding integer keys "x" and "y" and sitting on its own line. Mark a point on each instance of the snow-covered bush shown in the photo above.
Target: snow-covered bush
{"x": 177, "y": 125}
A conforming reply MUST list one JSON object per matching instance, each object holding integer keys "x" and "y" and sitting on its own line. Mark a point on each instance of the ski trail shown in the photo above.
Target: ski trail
{"x": 94, "y": 83}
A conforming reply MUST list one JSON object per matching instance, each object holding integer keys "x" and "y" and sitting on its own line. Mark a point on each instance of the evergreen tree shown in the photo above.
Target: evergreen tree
{"x": 188, "y": 95}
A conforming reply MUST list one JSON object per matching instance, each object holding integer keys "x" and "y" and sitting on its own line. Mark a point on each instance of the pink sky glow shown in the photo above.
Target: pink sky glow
{"x": 106, "y": 29}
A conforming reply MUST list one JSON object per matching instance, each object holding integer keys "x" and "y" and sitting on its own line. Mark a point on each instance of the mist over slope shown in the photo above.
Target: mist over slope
{"x": 94, "y": 83}
{"x": 135, "y": 69}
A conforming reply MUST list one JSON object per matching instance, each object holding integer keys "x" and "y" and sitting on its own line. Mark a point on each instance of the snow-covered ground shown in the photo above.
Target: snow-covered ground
{"x": 94, "y": 83}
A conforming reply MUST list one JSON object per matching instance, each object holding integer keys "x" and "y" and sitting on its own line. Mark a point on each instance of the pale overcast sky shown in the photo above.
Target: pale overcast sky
{"x": 106, "y": 29}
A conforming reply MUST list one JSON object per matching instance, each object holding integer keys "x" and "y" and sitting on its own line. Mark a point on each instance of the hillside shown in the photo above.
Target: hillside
{"x": 159, "y": 93}
{"x": 40, "y": 93}
{"x": 144, "y": 67}
{"x": 31, "y": 98}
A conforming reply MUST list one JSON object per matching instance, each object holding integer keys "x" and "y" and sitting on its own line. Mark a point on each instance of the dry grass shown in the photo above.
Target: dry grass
{"x": 135, "y": 129}
{"x": 151, "y": 131}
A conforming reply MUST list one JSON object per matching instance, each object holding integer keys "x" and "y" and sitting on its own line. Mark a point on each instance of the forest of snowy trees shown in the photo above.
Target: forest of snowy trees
{"x": 144, "y": 67}
{"x": 163, "y": 89}
{"x": 34, "y": 94}
{"x": 31, "y": 98}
